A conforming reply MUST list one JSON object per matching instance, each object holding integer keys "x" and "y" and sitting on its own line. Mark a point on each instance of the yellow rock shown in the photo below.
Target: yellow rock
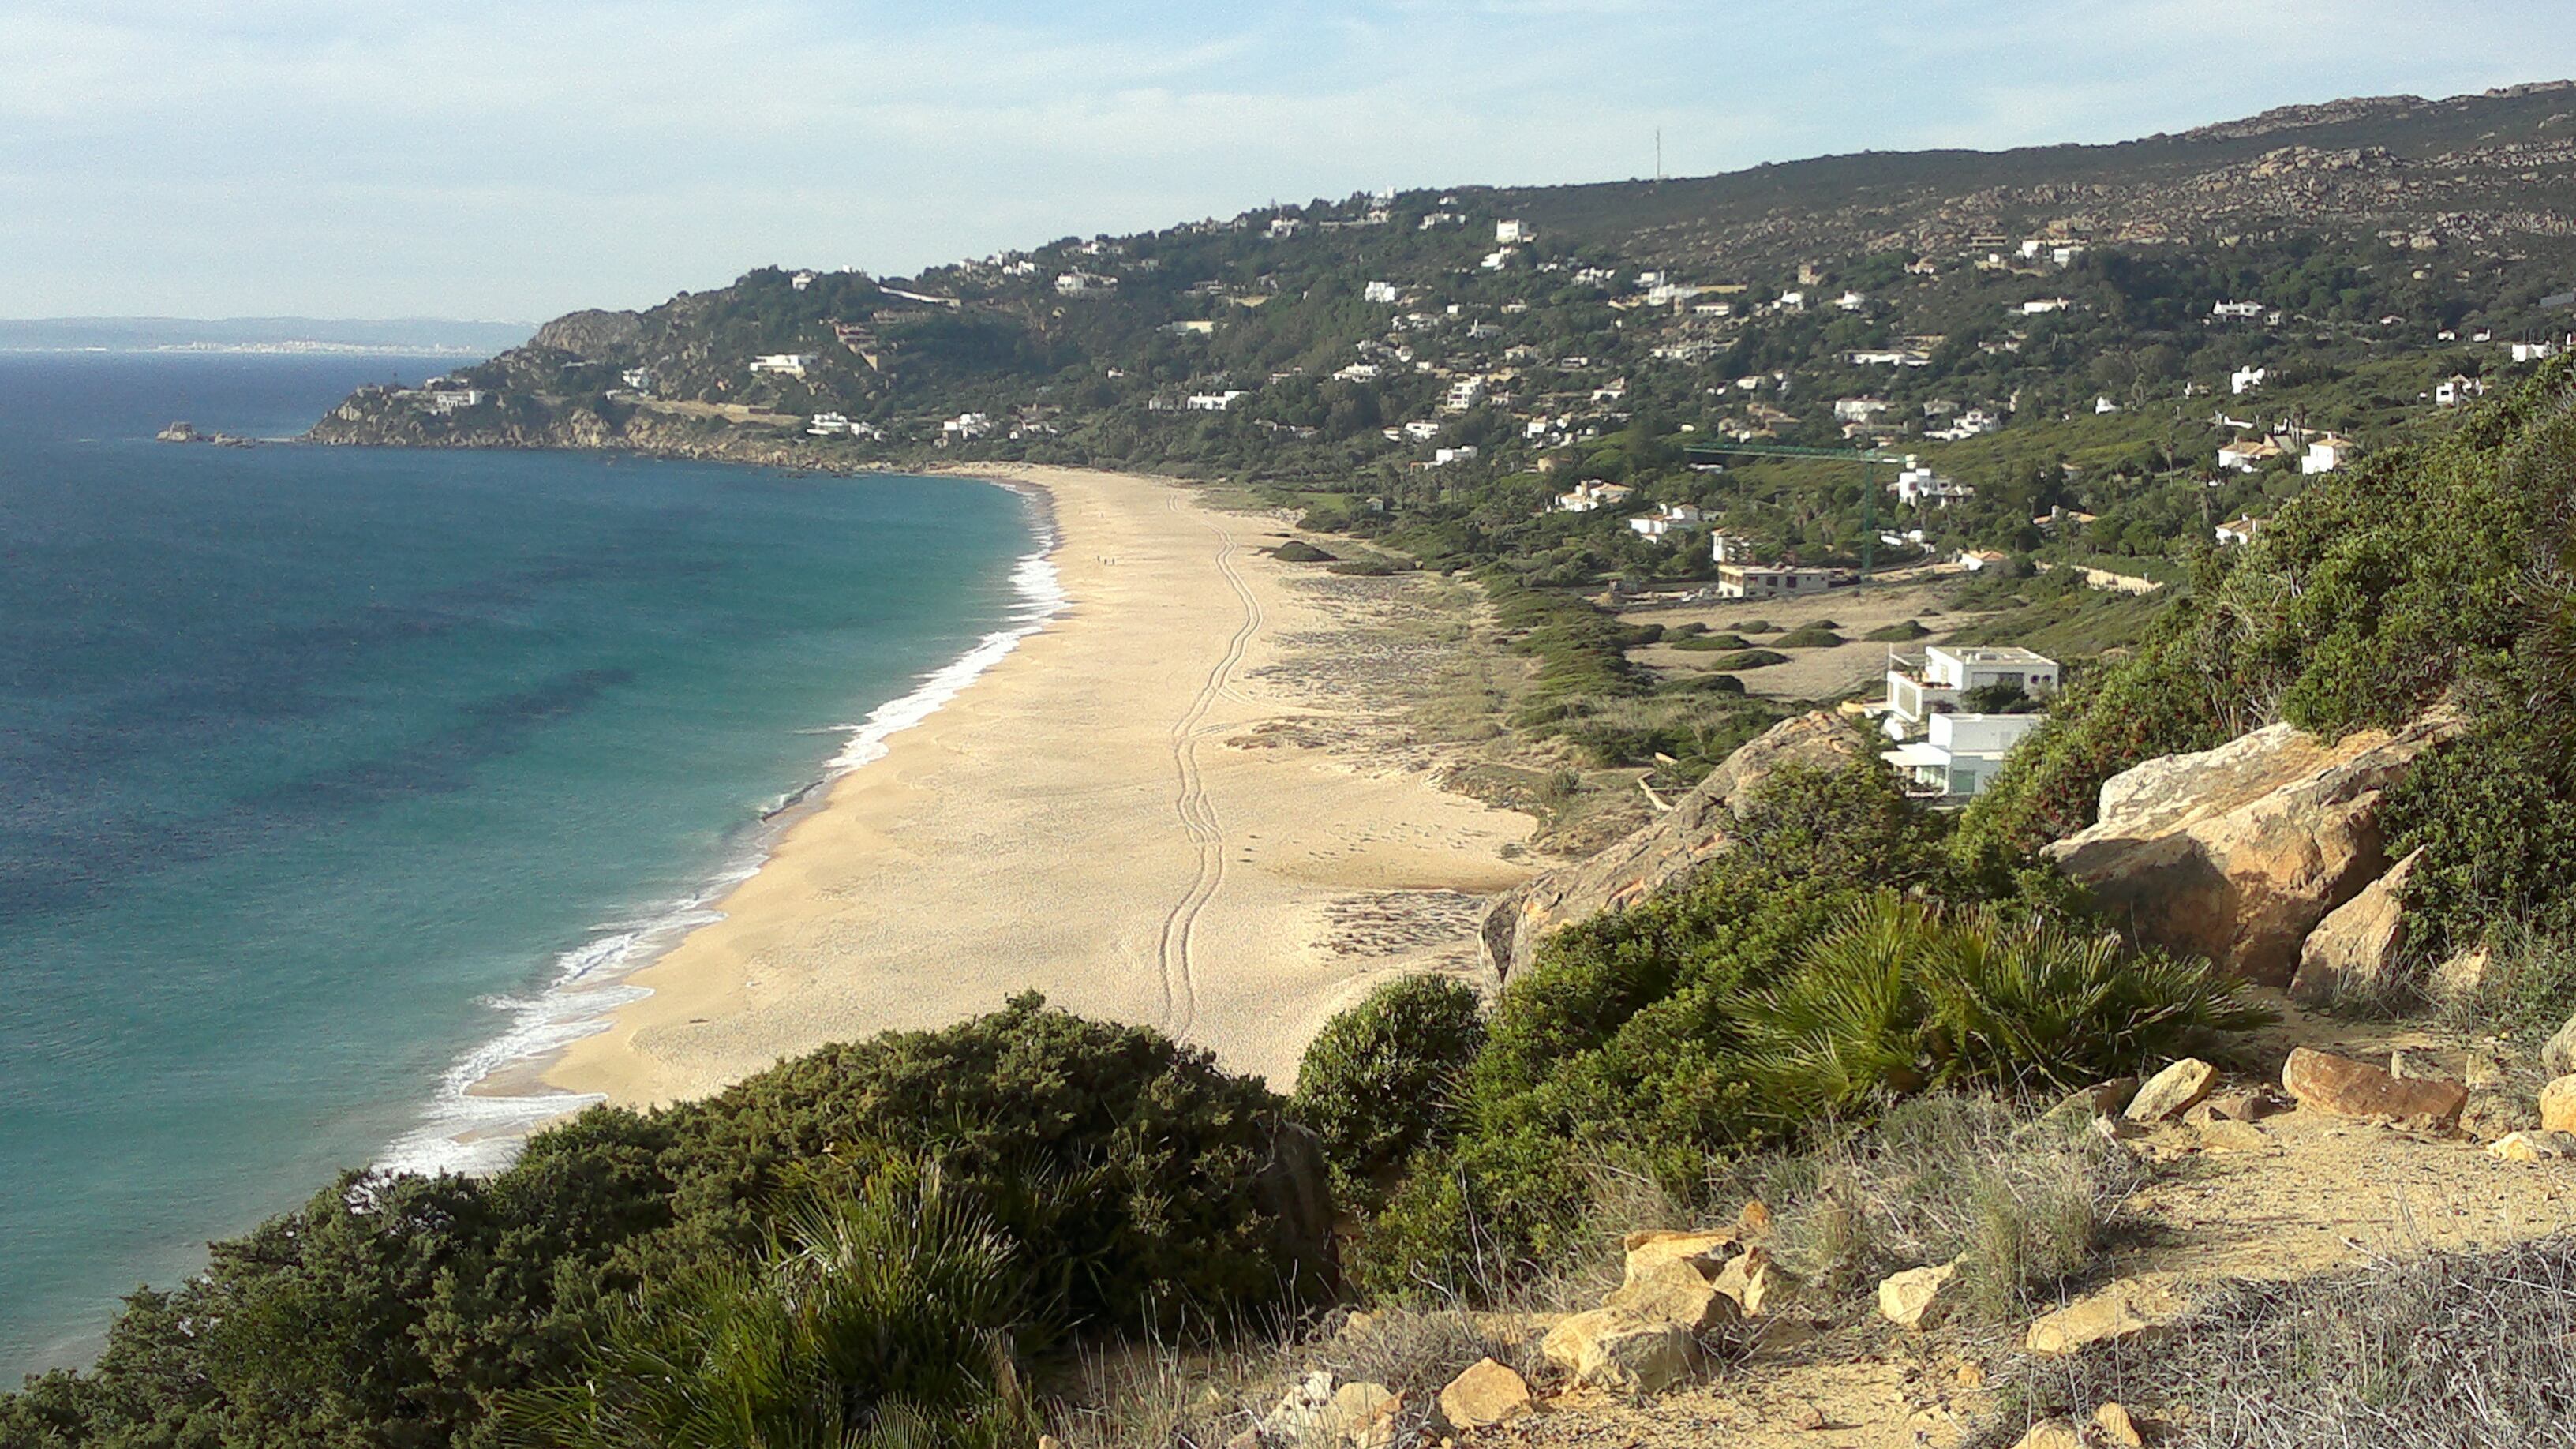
{"x": 2558, "y": 1105}
{"x": 1913, "y": 1298}
{"x": 2116, "y": 1427}
{"x": 2129, "y": 1308}
{"x": 1486, "y": 1394}
{"x": 2534, "y": 1146}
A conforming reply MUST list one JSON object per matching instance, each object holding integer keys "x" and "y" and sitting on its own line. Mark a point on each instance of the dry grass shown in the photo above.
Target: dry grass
{"x": 2437, "y": 1351}
{"x": 2023, "y": 1203}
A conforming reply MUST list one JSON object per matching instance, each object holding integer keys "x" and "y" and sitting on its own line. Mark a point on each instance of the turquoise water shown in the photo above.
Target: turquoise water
{"x": 322, "y": 767}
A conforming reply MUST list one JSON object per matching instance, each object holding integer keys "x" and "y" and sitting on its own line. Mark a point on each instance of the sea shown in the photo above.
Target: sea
{"x": 333, "y": 779}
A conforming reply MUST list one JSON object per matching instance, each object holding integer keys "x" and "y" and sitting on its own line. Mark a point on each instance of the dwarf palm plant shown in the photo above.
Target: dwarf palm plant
{"x": 879, "y": 1319}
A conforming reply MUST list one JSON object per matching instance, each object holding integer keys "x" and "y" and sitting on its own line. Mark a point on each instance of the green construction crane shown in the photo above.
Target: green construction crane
{"x": 1868, "y": 460}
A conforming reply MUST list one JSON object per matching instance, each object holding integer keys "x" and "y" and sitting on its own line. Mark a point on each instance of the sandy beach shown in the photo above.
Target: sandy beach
{"x": 1127, "y": 813}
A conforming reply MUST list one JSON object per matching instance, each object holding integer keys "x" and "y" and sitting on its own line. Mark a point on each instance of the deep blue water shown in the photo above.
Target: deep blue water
{"x": 316, "y": 765}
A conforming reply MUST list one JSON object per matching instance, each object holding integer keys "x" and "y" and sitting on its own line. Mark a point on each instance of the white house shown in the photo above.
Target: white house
{"x": 1851, "y": 301}
{"x": 2238, "y": 311}
{"x": 1593, "y": 494}
{"x": 2246, "y": 379}
{"x": 801, "y": 281}
{"x": 1766, "y": 581}
{"x": 1378, "y": 292}
{"x": 638, "y": 378}
{"x": 1793, "y": 301}
{"x": 1858, "y": 409}
{"x": 1667, "y": 520}
{"x": 2239, "y": 530}
{"x": 1285, "y": 226}
{"x": 1443, "y": 457}
{"x": 1465, "y": 393}
{"x": 1921, "y": 686}
{"x": 1513, "y": 233}
{"x": 824, "y": 425}
{"x": 2328, "y": 453}
{"x": 448, "y": 400}
{"x": 1960, "y": 754}
{"x": 2041, "y": 305}
{"x": 964, "y": 428}
{"x": 1356, "y": 372}
{"x": 2534, "y": 351}
{"x": 1922, "y": 488}
{"x": 792, "y": 364}
{"x": 2248, "y": 455}
{"x": 2103, "y": 406}
{"x": 1421, "y": 430}
{"x": 1077, "y": 283}
{"x": 2459, "y": 390}
{"x": 1213, "y": 402}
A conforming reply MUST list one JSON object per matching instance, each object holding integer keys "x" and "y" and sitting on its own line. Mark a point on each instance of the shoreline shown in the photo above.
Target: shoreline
{"x": 493, "y": 1096}
{"x": 1068, "y": 817}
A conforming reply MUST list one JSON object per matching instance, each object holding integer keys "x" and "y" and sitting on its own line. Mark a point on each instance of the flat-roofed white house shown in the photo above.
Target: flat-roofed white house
{"x": 1960, "y": 754}
{"x": 1925, "y": 686}
{"x": 2248, "y": 455}
{"x": 1771, "y": 581}
{"x": 2239, "y": 530}
{"x": 2328, "y": 453}
{"x": 1669, "y": 519}
{"x": 791, "y": 363}
{"x": 1591, "y": 494}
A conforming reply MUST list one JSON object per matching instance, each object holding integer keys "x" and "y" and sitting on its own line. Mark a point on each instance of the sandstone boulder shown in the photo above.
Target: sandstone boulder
{"x": 1706, "y": 1250}
{"x": 2051, "y": 1434}
{"x": 2558, "y": 1054}
{"x": 1487, "y": 1394}
{"x": 2128, "y": 1309}
{"x": 1676, "y": 1291}
{"x": 2534, "y": 1146}
{"x": 1699, "y": 828}
{"x": 2235, "y": 853}
{"x": 2175, "y": 1090}
{"x": 1917, "y": 1298}
{"x": 1362, "y": 1415}
{"x": 1754, "y": 1283}
{"x": 2324, "y": 1082}
{"x": 2113, "y": 1426}
{"x": 2357, "y": 949}
{"x": 1613, "y": 1349}
{"x": 2558, "y": 1105}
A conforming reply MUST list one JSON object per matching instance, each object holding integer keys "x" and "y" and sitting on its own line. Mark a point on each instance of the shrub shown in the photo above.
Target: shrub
{"x": 1298, "y": 550}
{"x": 1708, "y": 642}
{"x": 1379, "y": 1082}
{"x": 1757, "y": 626}
{"x": 1748, "y": 659}
{"x": 882, "y": 1315}
{"x": 1811, "y": 636}
{"x": 1898, "y": 633}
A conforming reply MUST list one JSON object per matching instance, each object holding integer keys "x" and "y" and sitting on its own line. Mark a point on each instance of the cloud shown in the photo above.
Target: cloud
{"x": 481, "y": 158}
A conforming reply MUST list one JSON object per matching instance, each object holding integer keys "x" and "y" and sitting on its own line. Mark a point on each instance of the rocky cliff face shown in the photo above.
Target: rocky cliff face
{"x": 594, "y": 336}
{"x": 1695, "y": 831}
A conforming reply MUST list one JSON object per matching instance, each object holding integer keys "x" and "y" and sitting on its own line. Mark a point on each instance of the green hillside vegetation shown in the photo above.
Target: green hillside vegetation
{"x": 2433, "y": 574}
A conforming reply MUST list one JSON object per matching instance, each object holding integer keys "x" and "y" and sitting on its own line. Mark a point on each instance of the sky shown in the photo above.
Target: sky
{"x": 513, "y": 161}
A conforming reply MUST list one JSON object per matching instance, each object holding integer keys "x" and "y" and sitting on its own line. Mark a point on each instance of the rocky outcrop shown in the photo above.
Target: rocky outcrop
{"x": 1696, "y": 830}
{"x": 594, "y": 336}
{"x": 2236, "y": 853}
{"x": 1488, "y": 1393}
{"x": 2357, "y": 949}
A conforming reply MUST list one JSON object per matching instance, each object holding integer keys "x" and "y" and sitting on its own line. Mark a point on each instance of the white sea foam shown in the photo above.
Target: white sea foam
{"x": 464, "y": 1130}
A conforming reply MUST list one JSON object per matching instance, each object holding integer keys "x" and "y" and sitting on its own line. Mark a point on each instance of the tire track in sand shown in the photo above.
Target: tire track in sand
{"x": 1197, "y": 812}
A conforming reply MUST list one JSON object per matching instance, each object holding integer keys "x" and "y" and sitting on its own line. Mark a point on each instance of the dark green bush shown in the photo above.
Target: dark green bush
{"x": 1811, "y": 636}
{"x": 1709, "y": 642}
{"x": 1898, "y": 633}
{"x": 1298, "y": 550}
{"x": 1748, "y": 659}
{"x": 1379, "y": 1082}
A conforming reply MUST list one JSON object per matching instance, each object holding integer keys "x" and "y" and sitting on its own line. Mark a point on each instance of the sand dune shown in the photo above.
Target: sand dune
{"x": 1076, "y": 822}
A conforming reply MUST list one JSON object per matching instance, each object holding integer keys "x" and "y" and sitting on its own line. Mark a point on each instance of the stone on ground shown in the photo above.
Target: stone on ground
{"x": 2460, "y": 978}
{"x": 1755, "y": 1283}
{"x": 1362, "y": 1414}
{"x": 2173, "y": 1091}
{"x": 2130, "y": 1308}
{"x": 1488, "y": 1393}
{"x": 2543, "y": 1146}
{"x": 2226, "y": 1134}
{"x": 1707, "y": 1250}
{"x": 2051, "y": 1434}
{"x": 1613, "y": 1349}
{"x": 2558, "y": 1105}
{"x": 1914, "y": 1298}
{"x": 2112, "y": 1425}
{"x": 1675, "y": 1291}
{"x": 2342, "y": 1087}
